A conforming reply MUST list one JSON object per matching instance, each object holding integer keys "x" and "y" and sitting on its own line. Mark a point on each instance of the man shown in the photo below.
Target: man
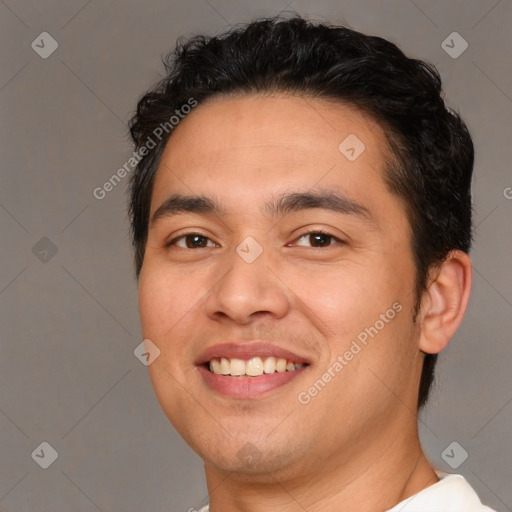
{"x": 301, "y": 216}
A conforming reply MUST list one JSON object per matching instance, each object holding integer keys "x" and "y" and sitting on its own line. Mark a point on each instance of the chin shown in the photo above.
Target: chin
{"x": 253, "y": 458}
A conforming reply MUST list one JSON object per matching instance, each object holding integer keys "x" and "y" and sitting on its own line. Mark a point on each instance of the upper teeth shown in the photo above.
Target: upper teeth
{"x": 253, "y": 367}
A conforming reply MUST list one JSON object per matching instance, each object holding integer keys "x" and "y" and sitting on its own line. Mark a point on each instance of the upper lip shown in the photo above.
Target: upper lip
{"x": 247, "y": 350}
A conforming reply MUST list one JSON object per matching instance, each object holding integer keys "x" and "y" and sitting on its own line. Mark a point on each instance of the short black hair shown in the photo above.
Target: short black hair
{"x": 431, "y": 150}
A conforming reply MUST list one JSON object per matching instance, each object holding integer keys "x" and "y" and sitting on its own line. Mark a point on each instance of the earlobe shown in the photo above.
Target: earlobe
{"x": 444, "y": 302}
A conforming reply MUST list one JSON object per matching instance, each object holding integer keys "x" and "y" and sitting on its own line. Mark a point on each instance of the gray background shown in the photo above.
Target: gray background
{"x": 68, "y": 375}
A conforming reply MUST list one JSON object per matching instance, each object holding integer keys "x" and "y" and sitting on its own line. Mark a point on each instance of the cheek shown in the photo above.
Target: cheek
{"x": 165, "y": 298}
{"x": 364, "y": 312}
{"x": 166, "y": 306}
{"x": 348, "y": 298}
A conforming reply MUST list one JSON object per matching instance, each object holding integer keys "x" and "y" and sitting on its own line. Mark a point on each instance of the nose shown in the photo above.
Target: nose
{"x": 247, "y": 291}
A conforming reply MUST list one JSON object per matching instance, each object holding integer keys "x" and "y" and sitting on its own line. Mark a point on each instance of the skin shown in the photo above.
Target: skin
{"x": 360, "y": 431}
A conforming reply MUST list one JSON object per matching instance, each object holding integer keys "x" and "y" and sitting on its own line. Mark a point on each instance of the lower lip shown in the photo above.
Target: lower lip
{"x": 247, "y": 387}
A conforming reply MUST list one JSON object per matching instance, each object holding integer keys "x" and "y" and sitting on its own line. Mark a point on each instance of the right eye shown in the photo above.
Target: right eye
{"x": 191, "y": 241}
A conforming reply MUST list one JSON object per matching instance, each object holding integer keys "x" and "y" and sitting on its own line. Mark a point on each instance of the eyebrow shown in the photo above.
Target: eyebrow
{"x": 178, "y": 203}
{"x": 279, "y": 206}
{"x": 325, "y": 200}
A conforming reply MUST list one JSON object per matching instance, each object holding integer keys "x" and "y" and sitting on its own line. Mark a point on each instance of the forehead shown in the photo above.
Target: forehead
{"x": 258, "y": 143}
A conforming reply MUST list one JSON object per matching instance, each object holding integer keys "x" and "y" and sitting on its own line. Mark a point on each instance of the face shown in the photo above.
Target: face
{"x": 278, "y": 284}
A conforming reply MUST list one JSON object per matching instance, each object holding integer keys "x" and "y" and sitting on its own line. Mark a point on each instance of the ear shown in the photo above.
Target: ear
{"x": 444, "y": 302}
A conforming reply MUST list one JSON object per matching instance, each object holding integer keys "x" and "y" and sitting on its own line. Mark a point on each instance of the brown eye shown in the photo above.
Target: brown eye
{"x": 320, "y": 239}
{"x": 316, "y": 240}
{"x": 192, "y": 241}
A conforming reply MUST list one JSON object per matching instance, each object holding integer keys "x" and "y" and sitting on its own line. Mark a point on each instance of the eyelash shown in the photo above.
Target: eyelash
{"x": 320, "y": 232}
{"x": 309, "y": 233}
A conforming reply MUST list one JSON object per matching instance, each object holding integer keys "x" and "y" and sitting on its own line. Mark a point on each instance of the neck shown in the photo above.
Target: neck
{"x": 372, "y": 476}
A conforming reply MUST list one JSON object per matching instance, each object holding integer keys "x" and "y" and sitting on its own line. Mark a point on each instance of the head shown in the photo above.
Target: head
{"x": 258, "y": 150}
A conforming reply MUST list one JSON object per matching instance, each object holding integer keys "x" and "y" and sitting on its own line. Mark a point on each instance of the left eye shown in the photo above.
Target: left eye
{"x": 192, "y": 241}
{"x": 316, "y": 240}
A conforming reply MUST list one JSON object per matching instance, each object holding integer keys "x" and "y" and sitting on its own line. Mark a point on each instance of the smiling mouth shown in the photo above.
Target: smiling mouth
{"x": 252, "y": 367}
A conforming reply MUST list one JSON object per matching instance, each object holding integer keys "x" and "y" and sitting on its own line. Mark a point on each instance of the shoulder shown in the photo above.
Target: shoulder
{"x": 451, "y": 494}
